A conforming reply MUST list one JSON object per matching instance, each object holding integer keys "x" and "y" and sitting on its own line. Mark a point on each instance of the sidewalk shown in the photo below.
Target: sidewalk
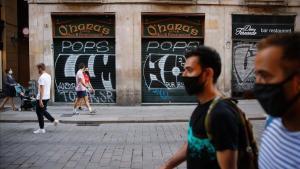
{"x": 124, "y": 114}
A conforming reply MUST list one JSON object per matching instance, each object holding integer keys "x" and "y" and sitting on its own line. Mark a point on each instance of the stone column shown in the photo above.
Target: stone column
{"x": 128, "y": 56}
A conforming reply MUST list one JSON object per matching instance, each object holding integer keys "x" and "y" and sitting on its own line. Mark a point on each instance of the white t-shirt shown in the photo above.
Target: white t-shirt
{"x": 79, "y": 86}
{"x": 44, "y": 80}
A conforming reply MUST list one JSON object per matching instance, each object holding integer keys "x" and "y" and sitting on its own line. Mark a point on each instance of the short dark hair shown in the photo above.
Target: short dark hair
{"x": 41, "y": 66}
{"x": 290, "y": 44}
{"x": 81, "y": 65}
{"x": 208, "y": 58}
{"x": 6, "y": 71}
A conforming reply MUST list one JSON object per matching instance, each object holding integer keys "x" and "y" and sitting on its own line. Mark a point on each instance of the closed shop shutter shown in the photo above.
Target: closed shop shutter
{"x": 98, "y": 54}
{"x": 247, "y": 30}
{"x": 163, "y": 57}
{"x": 162, "y": 63}
{"x": 243, "y": 78}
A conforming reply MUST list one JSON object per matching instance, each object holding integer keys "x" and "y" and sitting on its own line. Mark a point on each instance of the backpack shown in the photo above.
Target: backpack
{"x": 248, "y": 155}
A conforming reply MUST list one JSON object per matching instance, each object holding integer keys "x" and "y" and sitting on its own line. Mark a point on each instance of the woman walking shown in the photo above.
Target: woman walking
{"x": 81, "y": 90}
{"x": 9, "y": 90}
{"x": 89, "y": 87}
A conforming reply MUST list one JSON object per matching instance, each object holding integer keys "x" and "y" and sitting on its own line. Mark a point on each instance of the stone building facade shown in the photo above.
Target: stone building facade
{"x": 14, "y": 48}
{"x": 135, "y": 49}
{"x": 9, "y": 34}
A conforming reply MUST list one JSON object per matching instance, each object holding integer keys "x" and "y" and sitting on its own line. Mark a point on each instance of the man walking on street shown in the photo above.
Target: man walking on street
{"x": 43, "y": 96}
{"x": 81, "y": 90}
{"x": 201, "y": 71}
{"x": 277, "y": 88}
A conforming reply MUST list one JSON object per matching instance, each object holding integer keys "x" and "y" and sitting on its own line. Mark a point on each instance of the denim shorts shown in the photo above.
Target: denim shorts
{"x": 81, "y": 94}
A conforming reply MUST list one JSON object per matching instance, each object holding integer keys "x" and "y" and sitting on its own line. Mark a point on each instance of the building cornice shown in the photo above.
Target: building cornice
{"x": 254, "y": 3}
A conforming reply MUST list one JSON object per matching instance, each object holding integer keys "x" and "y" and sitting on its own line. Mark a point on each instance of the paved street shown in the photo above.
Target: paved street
{"x": 107, "y": 146}
{"x": 124, "y": 114}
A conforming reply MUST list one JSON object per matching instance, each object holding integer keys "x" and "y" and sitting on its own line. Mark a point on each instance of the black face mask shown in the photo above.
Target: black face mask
{"x": 272, "y": 97}
{"x": 192, "y": 84}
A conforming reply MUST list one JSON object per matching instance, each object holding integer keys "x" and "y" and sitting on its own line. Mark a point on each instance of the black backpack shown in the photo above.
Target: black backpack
{"x": 248, "y": 155}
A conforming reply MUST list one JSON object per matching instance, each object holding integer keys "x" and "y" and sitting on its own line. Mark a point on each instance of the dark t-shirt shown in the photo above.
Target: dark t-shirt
{"x": 224, "y": 128}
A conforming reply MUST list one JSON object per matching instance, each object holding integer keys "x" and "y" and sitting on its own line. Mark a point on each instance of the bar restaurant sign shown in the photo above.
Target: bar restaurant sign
{"x": 257, "y": 27}
{"x": 85, "y": 26}
{"x": 174, "y": 27}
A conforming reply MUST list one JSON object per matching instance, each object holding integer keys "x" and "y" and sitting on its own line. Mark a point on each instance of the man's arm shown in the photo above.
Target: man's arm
{"x": 227, "y": 159}
{"x": 177, "y": 158}
{"x": 41, "y": 95}
{"x": 225, "y": 135}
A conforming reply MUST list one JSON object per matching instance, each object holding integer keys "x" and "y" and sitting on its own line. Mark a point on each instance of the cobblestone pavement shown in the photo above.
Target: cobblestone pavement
{"x": 107, "y": 146}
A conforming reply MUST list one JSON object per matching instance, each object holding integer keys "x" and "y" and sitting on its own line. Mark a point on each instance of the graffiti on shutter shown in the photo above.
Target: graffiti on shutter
{"x": 243, "y": 66}
{"x": 162, "y": 63}
{"x": 98, "y": 55}
{"x": 164, "y": 44}
{"x": 87, "y": 39}
{"x": 247, "y": 30}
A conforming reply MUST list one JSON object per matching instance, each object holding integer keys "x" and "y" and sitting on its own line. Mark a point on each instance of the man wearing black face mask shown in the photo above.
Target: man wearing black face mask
{"x": 201, "y": 71}
{"x": 277, "y": 88}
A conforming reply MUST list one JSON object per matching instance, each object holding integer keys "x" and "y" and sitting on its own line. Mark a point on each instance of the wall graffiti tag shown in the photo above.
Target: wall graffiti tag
{"x": 163, "y": 63}
{"x": 243, "y": 66}
{"x": 98, "y": 55}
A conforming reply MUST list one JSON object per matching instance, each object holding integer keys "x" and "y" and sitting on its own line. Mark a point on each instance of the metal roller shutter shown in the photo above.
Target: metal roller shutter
{"x": 247, "y": 30}
{"x": 162, "y": 63}
{"x": 98, "y": 55}
{"x": 164, "y": 43}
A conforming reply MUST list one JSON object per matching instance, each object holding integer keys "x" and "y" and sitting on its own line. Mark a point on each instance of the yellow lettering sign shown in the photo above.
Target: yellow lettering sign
{"x": 67, "y": 30}
{"x": 63, "y": 30}
{"x": 152, "y": 30}
{"x": 171, "y": 29}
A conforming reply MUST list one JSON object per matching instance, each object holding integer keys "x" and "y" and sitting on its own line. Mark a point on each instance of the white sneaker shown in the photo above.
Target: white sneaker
{"x": 55, "y": 123}
{"x": 75, "y": 112}
{"x": 93, "y": 112}
{"x": 39, "y": 131}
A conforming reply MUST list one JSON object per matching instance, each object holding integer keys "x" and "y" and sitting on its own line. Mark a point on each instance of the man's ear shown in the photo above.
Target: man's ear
{"x": 295, "y": 84}
{"x": 210, "y": 74}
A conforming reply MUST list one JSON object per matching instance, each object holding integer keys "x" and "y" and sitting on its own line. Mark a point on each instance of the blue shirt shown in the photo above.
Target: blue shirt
{"x": 280, "y": 148}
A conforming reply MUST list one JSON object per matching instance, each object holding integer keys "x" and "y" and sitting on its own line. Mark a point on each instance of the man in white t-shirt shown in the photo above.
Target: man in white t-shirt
{"x": 81, "y": 90}
{"x": 43, "y": 96}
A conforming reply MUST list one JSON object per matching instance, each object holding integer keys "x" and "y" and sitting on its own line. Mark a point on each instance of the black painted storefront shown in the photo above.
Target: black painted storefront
{"x": 247, "y": 30}
{"x": 164, "y": 43}
{"x": 88, "y": 39}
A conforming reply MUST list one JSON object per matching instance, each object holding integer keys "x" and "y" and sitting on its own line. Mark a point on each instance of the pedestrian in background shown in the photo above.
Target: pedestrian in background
{"x": 81, "y": 90}
{"x": 90, "y": 90}
{"x": 43, "y": 96}
{"x": 9, "y": 89}
{"x": 277, "y": 88}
